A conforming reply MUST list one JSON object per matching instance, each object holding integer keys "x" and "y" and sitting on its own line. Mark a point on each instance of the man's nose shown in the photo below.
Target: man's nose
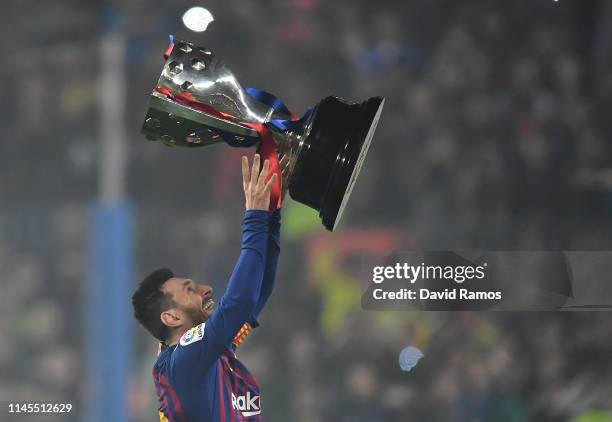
{"x": 206, "y": 291}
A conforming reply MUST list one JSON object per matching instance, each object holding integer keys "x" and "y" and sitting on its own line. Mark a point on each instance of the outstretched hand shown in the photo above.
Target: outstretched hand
{"x": 256, "y": 190}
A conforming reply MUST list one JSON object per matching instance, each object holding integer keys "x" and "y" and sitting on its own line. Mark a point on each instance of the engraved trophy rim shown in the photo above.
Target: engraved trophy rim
{"x": 158, "y": 102}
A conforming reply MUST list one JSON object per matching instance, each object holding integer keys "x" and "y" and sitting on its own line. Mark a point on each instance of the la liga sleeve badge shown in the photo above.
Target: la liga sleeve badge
{"x": 193, "y": 335}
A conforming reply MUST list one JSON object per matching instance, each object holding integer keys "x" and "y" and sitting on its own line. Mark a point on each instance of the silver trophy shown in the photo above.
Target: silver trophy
{"x": 198, "y": 102}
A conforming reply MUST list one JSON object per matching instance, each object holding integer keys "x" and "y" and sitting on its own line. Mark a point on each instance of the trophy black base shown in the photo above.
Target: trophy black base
{"x": 332, "y": 153}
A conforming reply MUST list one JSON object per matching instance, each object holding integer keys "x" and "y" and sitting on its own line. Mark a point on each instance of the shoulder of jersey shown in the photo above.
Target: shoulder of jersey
{"x": 193, "y": 335}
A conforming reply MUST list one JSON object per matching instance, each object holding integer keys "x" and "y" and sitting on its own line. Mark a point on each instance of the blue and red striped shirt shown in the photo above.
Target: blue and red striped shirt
{"x": 200, "y": 378}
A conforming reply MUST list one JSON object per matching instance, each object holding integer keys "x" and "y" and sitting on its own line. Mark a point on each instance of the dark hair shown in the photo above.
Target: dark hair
{"x": 150, "y": 301}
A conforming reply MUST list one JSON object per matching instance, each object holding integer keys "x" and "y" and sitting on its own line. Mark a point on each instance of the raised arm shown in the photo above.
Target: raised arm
{"x": 243, "y": 290}
{"x": 267, "y": 284}
{"x": 244, "y": 286}
{"x": 273, "y": 251}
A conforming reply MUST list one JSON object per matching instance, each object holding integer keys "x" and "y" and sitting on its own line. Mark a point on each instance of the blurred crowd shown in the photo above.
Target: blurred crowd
{"x": 495, "y": 135}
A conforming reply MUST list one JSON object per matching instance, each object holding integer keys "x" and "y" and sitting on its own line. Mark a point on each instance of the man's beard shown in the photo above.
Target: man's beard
{"x": 196, "y": 315}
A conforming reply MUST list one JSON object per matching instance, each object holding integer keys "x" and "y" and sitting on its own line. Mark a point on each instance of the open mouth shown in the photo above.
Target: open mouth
{"x": 208, "y": 305}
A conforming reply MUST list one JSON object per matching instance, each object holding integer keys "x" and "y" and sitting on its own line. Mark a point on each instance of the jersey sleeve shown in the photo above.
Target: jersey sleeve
{"x": 269, "y": 276}
{"x": 200, "y": 347}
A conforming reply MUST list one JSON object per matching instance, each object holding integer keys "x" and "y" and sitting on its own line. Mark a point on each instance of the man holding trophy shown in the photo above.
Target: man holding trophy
{"x": 316, "y": 158}
{"x": 197, "y": 375}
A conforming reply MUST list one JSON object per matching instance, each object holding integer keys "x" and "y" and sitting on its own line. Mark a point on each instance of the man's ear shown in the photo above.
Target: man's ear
{"x": 171, "y": 318}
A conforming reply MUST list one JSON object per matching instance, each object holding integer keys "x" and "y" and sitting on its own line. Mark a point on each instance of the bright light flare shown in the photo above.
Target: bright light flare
{"x": 197, "y": 19}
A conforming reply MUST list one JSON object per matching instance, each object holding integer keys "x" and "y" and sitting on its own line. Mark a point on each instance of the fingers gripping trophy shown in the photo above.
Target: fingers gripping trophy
{"x": 198, "y": 102}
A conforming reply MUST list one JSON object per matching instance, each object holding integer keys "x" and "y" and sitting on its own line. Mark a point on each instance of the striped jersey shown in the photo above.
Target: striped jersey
{"x": 201, "y": 378}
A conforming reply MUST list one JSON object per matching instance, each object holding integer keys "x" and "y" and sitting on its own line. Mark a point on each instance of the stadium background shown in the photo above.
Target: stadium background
{"x": 496, "y": 134}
